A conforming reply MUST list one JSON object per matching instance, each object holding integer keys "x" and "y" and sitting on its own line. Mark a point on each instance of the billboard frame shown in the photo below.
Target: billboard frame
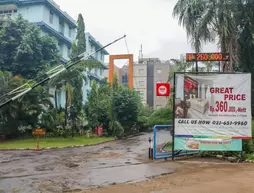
{"x": 174, "y": 97}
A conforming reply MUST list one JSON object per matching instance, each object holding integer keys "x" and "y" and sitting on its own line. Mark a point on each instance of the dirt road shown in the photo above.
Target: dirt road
{"x": 118, "y": 162}
{"x": 58, "y": 170}
{"x": 194, "y": 178}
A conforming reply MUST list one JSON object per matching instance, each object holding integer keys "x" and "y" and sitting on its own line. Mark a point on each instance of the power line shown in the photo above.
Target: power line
{"x": 128, "y": 51}
{"x": 31, "y": 84}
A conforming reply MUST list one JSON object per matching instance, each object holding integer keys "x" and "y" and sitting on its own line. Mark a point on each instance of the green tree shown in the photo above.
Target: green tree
{"x": 81, "y": 37}
{"x": 179, "y": 65}
{"x": 25, "y": 110}
{"x": 92, "y": 107}
{"x": 117, "y": 108}
{"x": 23, "y": 50}
{"x": 204, "y": 20}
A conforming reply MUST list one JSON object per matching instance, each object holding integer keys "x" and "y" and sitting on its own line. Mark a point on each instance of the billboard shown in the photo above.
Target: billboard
{"x": 213, "y": 105}
{"x": 208, "y": 144}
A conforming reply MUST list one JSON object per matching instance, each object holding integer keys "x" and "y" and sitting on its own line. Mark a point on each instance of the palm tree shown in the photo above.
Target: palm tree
{"x": 209, "y": 65}
{"x": 204, "y": 20}
{"x": 73, "y": 79}
{"x": 24, "y": 110}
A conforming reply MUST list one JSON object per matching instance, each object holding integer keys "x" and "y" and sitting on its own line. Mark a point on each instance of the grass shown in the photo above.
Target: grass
{"x": 250, "y": 157}
{"x": 167, "y": 147}
{"x": 53, "y": 142}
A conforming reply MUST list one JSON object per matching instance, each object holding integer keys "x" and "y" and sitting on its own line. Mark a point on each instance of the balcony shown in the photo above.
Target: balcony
{"x": 3, "y": 18}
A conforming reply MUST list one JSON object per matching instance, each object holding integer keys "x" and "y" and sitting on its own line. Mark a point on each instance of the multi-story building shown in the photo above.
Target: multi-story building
{"x": 96, "y": 74}
{"x": 121, "y": 73}
{"x": 48, "y": 16}
{"x": 58, "y": 24}
{"x": 140, "y": 80}
{"x": 147, "y": 73}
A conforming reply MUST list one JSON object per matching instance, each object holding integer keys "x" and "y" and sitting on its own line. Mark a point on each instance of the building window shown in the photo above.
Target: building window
{"x": 8, "y": 12}
{"x": 125, "y": 79}
{"x": 51, "y": 17}
{"x": 158, "y": 71}
{"x": 61, "y": 27}
{"x": 69, "y": 53}
{"x": 60, "y": 47}
{"x": 70, "y": 30}
{"x": 101, "y": 71}
{"x": 141, "y": 71}
{"x": 141, "y": 83}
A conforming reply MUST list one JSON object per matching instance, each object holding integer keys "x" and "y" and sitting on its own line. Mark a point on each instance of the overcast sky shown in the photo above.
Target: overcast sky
{"x": 146, "y": 22}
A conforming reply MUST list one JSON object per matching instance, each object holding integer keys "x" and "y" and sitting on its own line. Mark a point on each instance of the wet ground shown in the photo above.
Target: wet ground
{"x": 62, "y": 170}
{"x": 194, "y": 177}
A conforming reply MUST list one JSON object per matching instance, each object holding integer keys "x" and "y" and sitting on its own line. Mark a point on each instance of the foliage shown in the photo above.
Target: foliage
{"x": 248, "y": 145}
{"x": 117, "y": 108}
{"x": 229, "y": 21}
{"x": 143, "y": 118}
{"x": 81, "y": 37}
{"x": 162, "y": 116}
{"x": 92, "y": 107}
{"x": 22, "y": 114}
{"x": 23, "y": 50}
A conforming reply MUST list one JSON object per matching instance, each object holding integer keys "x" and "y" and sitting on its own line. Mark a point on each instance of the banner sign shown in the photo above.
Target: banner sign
{"x": 39, "y": 132}
{"x": 213, "y": 105}
{"x": 208, "y": 144}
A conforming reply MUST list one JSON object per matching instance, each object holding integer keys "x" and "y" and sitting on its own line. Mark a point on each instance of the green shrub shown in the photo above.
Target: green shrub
{"x": 248, "y": 145}
{"x": 162, "y": 116}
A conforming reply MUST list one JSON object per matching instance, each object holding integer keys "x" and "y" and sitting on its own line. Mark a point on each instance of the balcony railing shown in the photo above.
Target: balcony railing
{"x": 4, "y": 17}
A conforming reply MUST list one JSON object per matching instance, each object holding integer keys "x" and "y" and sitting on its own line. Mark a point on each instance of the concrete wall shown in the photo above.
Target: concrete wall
{"x": 33, "y": 13}
{"x": 160, "y": 74}
{"x": 140, "y": 80}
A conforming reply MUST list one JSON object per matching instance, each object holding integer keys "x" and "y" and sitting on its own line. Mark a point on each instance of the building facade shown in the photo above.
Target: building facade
{"x": 140, "y": 80}
{"x": 148, "y": 72}
{"x": 48, "y": 16}
{"x": 160, "y": 74}
{"x": 54, "y": 22}
{"x": 121, "y": 73}
{"x": 96, "y": 74}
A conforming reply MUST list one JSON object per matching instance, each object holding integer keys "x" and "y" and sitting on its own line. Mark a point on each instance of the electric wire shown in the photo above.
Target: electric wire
{"x": 127, "y": 63}
{"x": 31, "y": 84}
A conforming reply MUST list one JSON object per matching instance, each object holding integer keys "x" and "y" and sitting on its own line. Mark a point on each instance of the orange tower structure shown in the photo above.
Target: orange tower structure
{"x": 130, "y": 67}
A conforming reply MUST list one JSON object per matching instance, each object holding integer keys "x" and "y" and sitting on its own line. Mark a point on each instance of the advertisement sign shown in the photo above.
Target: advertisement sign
{"x": 208, "y": 144}
{"x": 39, "y": 132}
{"x": 162, "y": 89}
{"x": 213, "y": 105}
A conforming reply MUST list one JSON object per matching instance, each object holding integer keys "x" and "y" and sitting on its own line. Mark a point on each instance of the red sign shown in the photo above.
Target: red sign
{"x": 162, "y": 89}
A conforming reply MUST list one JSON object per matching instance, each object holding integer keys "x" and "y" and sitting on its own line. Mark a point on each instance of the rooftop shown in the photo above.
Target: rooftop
{"x": 96, "y": 43}
{"x": 49, "y": 3}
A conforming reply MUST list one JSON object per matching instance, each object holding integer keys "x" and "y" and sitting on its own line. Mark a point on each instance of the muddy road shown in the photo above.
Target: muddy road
{"x": 59, "y": 170}
{"x": 193, "y": 178}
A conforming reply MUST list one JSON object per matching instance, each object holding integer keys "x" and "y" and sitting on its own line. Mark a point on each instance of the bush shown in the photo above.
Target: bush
{"x": 161, "y": 116}
{"x": 248, "y": 145}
